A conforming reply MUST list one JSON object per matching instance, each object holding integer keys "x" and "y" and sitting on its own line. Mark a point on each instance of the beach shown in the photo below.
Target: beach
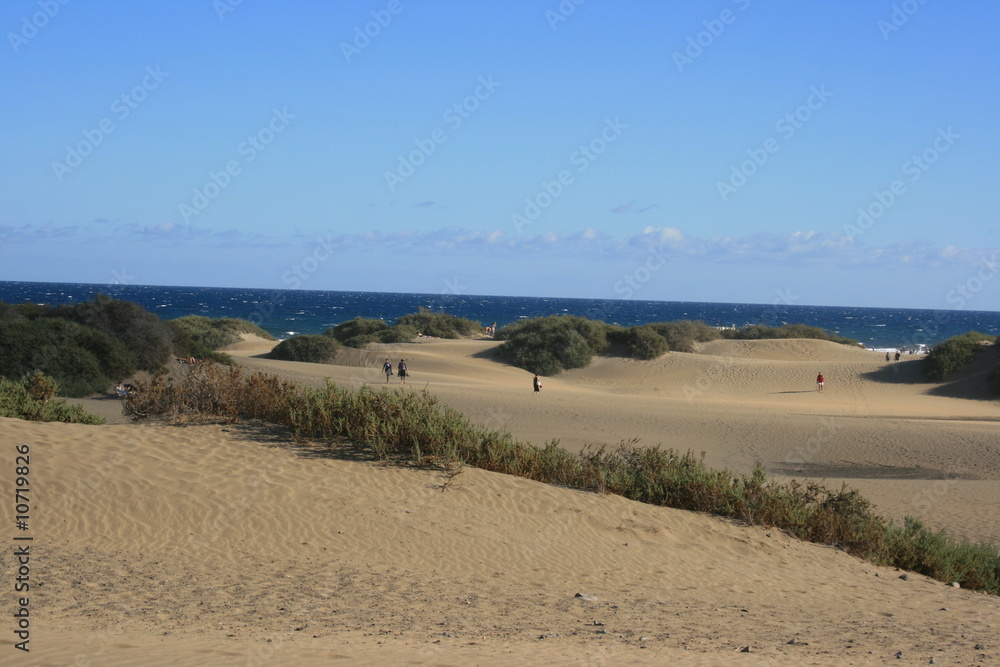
{"x": 231, "y": 544}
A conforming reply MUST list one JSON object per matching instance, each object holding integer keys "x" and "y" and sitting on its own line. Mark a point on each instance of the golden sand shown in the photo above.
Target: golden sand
{"x": 215, "y": 545}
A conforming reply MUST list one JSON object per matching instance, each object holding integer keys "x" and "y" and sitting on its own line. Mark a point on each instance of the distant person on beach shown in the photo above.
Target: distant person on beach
{"x": 820, "y": 382}
{"x": 887, "y": 356}
{"x": 897, "y": 355}
{"x": 536, "y": 384}
{"x": 387, "y": 369}
{"x": 401, "y": 371}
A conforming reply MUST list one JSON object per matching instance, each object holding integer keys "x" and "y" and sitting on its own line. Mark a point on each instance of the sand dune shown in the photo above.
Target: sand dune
{"x": 227, "y": 545}
{"x": 911, "y": 450}
{"x": 214, "y": 545}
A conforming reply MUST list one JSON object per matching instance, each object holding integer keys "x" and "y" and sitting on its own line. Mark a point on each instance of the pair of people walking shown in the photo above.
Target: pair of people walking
{"x": 400, "y": 370}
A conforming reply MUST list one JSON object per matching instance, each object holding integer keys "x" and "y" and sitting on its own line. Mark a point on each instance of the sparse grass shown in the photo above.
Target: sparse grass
{"x": 412, "y": 425}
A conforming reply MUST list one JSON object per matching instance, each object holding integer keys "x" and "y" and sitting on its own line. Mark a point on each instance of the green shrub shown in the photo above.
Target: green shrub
{"x": 643, "y": 342}
{"x": 143, "y": 334}
{"x": 441, "y": 325}
{"x": 17, "y": 402}
{"x": 414, "y": 426}
{"x": 914, "y": 547}
{"x": 82, "y": 360}
{"x": 682, "y": 335}
{"x": 761, "y": 331}
{"x": 40, "y": 387}
{"x": 549, "y": 345}
{"x": 87, "y": 346}
{"x": 200, "y": 337}
{"x": 206, "y": 333}
{"x": 953, "y": 355}
{"x": 313, "y": 349}
{"x": 357, "y": 332}
{"x": 397, "y": 334}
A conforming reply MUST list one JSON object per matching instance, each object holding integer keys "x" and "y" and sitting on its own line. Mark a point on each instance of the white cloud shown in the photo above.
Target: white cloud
{"x": 802, "y": 247}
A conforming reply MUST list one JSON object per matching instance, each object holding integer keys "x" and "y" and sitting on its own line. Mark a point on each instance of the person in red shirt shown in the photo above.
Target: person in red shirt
{"x": 820, "y": 381}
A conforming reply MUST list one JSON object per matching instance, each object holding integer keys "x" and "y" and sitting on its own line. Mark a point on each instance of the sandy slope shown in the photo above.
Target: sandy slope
{"x": 877, "y": 426}
{"x": 215, "y": 545}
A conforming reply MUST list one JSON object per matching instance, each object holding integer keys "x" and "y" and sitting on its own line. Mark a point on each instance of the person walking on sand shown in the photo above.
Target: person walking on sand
{"x": 887, "y": 356}
{"x": 387, "y": 369}
{"x": 401, "y": 371}
{"x": 820, "y": 382}
{"x": 536, "y": 384}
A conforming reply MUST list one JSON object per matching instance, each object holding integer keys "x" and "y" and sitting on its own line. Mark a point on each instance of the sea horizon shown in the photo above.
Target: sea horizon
{"x": 287, "y": 312}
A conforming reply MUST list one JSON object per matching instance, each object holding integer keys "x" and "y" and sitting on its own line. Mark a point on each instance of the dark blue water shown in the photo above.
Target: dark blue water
{"x": 287, "y": 312}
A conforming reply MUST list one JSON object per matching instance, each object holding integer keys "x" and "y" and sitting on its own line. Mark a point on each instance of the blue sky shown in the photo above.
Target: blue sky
{"x": 828, "y": 153}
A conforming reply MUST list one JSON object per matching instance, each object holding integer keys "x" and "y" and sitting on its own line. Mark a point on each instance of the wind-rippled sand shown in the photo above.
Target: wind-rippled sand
{"x": 216, "y": 545}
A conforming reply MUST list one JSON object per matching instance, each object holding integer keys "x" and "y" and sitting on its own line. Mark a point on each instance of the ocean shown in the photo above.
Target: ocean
{"x": 284, "y": 313}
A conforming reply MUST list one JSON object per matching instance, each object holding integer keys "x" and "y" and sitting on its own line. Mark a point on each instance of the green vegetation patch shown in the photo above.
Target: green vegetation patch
{"x": 549, "y": 345}
{"x": 316, "y": 349}
{"x": 361, "y": 331}
{"x": 761, "y": 331}
{"x": 32, "y": 399}
{"x": 357, "y": 332}
{"x": 81, "y": 359}
{"x": 954, "y": 354}
{"x": 440, "y": 325}
{"x": 87, "y": 347}
{"x": 201, "y": 337}
{"x": 682, "y": 335}
{"x": 408, "y": 425}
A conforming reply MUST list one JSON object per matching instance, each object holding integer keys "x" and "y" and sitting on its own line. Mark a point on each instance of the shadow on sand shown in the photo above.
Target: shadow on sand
{"x": 971, "y": 383}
